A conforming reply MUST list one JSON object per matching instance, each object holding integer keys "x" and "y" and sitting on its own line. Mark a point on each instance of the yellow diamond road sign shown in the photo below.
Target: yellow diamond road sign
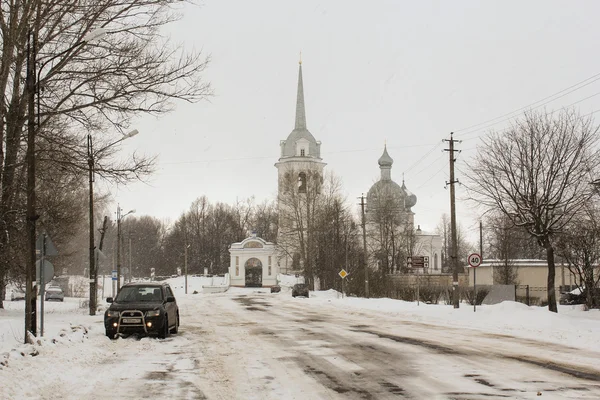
{"x": 343, "y": 273}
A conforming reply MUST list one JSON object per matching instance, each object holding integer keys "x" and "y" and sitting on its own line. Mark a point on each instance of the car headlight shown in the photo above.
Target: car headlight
{"x": 153, "y": 313}
{"x": 112, "y": 314}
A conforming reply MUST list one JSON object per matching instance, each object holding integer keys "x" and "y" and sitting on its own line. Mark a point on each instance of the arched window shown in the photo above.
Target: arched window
{"x": 301, "y": 182}
{"x": 435, "y": 261}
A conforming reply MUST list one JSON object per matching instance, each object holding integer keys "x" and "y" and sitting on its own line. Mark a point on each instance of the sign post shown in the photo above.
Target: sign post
{"x": 44, "y": 272}
{"x": 114, "y": 277}
{"x": 343, "y": 274}
{"x": 474, "y": 261}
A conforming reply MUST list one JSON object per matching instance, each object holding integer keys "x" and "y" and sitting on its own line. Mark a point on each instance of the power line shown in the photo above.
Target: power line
{"x": 552, "y": 97}
{"x": 271, "y": 157}
{"x": 434, "y": 175}
{"x": 425, "y": 155}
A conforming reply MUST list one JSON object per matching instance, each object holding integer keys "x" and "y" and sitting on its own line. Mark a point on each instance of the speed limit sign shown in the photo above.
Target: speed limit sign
{"x": 474, "y": 260}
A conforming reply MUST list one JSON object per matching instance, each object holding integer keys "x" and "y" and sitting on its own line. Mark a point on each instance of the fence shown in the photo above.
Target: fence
{"x": 531, "y": 295}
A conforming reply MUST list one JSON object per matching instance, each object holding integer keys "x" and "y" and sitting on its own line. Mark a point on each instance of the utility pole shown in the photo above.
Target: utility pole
{"x": 93, "y": 272}
{"x": 31, "y": 290}
{"x": 120, "y": 216}
{"x": 130, "y": 266}
{"x": 365, "y": 255}
{"x": 97, "y": 255}
{"x": 453, "y": 255}
{"x": 185, "y": 265}
{"x": 118, "y": 248}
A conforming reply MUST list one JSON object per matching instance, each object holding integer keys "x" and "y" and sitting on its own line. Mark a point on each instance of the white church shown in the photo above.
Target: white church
{"x": 255, "y": 262}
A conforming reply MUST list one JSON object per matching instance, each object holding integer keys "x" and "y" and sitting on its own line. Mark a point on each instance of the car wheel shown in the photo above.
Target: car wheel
{"x": 165, "y": 331}
{"x": 175, "y": 329}
{"x": 111, "y": 334}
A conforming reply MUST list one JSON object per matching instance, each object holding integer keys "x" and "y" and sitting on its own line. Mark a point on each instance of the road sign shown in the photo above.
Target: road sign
{"x": 48, "y": 271}
{"x": 474, "y": 260}
{"x": 418, "y": 261}
{"x": 114, "y": 275}
{"x": 343, "y": 273}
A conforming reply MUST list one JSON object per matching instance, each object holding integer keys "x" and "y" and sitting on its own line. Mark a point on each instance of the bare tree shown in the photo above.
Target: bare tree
{"x": 507, "y": 241}
{"x": 83, "y": 88}
{"x": 265, "y": 220}
{"x": 333, "y": 226}
{"x": 579, "y": 246}
{"x": 538, "y": 173}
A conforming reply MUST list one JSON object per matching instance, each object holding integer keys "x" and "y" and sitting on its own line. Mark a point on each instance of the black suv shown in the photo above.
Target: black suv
{"x": 147, "y": 308}
{"x": 300, "y": 289}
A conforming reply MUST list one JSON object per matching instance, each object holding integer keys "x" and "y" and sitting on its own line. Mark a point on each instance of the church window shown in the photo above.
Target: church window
{"x": 302, "y": 153}
{"x": 237, "y": 266}
{"x": 302, "y": 182}
{"x": 435, "y": 261}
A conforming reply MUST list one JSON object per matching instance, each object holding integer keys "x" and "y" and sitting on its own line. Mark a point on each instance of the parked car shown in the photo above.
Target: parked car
{"x": 300, "y": 289}
{"x": 54, "y": 293}
{"x": 578, "y": 296}
{"x": 17, "y": 294}
{"x": 275, "y": 289}
{"x": 145, "y": 308}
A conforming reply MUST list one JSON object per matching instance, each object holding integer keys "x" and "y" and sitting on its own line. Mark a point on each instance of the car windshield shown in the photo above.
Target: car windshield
{"x": 130, "y": 294}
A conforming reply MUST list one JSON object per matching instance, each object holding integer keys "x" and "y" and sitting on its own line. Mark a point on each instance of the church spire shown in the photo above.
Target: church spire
{"x": 300, "y": 110}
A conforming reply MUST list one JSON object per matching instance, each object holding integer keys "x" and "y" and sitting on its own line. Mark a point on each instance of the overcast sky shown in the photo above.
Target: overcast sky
{"x": 403, "y": 72}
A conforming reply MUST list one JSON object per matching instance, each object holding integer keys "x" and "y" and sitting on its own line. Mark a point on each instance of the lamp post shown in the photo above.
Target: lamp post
{"x": 185, "y": 262}
{"x": 119, "y": 218}
{"x": 93, "y": 270}
{"x": 32, "y": 87}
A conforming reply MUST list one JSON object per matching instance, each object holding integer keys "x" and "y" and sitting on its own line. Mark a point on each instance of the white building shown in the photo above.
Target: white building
{"x": 253, "y": 263}
{"x": 300, "y": 175}
{"x": 390, "y": 226}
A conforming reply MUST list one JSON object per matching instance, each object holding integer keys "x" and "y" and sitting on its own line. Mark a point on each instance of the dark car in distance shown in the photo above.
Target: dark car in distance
{"x": 275, "y": 289}
{"x": 300, "y": 289}
{"x": 144, "y": 308}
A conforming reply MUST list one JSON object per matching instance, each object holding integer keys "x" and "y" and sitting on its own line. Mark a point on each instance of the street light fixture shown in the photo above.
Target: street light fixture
{"x": 92, "y": 263}
{"x": 32, "y": 90}
{"x": 119, "y": 218}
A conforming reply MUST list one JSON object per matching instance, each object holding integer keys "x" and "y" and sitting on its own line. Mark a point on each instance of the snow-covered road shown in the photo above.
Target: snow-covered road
{"x": 257, "y": 345}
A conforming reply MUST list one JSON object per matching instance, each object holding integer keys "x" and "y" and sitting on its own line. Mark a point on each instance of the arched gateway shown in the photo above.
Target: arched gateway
{"x": 253, "y": 268}
{"x": 253, "y": 263}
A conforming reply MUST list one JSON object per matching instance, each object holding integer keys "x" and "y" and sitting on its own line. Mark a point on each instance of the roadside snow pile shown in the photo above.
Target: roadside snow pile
{"x": 74, "y": 334}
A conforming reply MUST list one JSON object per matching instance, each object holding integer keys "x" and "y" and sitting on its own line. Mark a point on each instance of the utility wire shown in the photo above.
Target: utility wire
{"x": 271, "y": 157}
{"x": 594, "y": 77}
{"x": 423, "y": 157}
{"x": 543, "y": 102}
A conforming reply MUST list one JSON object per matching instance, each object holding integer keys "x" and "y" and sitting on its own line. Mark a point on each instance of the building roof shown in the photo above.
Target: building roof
{"x": 386, "y": 188}
{"x": 300, "y": 130}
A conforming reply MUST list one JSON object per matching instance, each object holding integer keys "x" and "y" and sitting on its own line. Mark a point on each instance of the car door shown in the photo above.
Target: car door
{"x": 171, "y": 307}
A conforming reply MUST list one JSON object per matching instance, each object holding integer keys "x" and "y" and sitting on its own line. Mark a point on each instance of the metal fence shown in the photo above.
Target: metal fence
{"x": 531, "y": 295}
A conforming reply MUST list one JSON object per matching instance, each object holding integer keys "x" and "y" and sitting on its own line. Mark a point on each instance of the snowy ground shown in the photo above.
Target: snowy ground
{"x": 251, "y": 344}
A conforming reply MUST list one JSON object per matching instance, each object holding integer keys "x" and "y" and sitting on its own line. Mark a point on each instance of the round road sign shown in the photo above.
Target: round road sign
{"x": 474, "y": 260}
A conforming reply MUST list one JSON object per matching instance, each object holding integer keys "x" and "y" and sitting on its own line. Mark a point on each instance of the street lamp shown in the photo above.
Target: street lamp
{"x": 185, "y": 262}
{"x": 119, "y": 218}
{"x": 93, "y": 268}
{"x": 32, "y": 89}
